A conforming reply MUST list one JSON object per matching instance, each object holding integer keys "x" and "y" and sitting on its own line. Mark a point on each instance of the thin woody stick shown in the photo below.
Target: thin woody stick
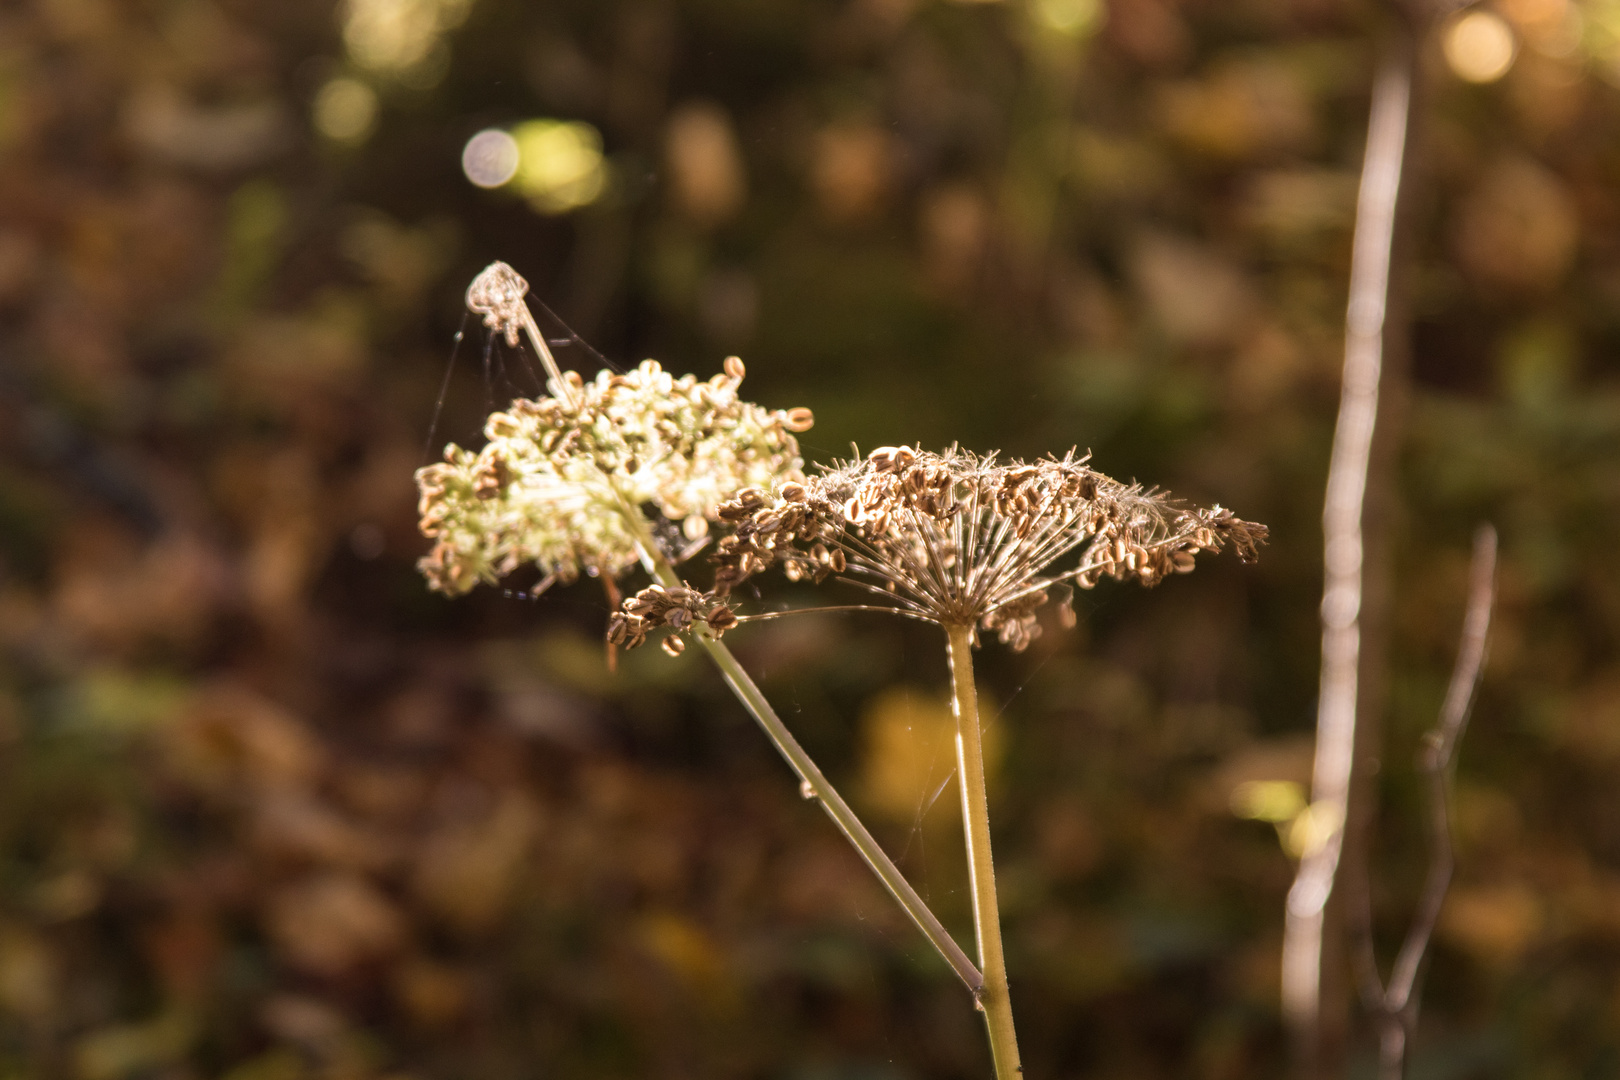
{"x": 1342, "y": 528}
{"x": 1395, "y": 1007}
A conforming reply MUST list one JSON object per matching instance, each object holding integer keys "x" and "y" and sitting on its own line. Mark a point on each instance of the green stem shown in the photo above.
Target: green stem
{"x": 812, "y": 783}
{"x": 815, "y": 785}
{"x": 994, "y": 998}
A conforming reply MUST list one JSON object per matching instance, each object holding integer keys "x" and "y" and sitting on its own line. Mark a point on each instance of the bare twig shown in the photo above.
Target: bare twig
{"x": 1342, "y": 527}
{"x": 1395, "y": 1007}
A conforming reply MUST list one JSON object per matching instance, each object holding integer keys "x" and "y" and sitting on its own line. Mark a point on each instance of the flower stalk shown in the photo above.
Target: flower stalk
{"x": 498, "y": 294}
{"x": 994, "y": 999}
{"x": 813, "y": 784}
{"x": 970, "y": 544}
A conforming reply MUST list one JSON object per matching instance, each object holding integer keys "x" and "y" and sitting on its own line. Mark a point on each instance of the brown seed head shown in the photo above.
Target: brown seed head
{"x": 961, "y": 539}
{"x": 680, "y": 609}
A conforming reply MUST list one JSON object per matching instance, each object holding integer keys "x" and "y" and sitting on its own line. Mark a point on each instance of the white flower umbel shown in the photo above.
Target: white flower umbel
{"x": 554, "y": 483}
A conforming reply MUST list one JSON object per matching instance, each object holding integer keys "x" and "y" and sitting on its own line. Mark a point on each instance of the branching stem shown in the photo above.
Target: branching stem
{"x": 1395, "y": 1007}
{"x": 994, "y": 998}
{"x": 498, "y": 294}
{"x": 813, "y": 784}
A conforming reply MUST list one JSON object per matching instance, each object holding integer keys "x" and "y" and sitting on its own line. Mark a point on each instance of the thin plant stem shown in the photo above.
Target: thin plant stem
{"x": 994, "y": 999}
{"x": 554, "y": 380}
{"x": 1395, "y": 1008}
{"x": 815, "y": 785}
{"x": 1342, "y": 596}
{"x": 812, "y": 783}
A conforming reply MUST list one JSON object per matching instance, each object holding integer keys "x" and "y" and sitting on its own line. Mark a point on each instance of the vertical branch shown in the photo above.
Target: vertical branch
{"x": 1344, "y": 550}
{"x": 994, "y": 998}
{"x": 1395, "y": 1007}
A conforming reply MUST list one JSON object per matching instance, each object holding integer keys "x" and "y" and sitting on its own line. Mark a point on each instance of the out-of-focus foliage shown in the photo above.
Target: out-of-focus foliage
{"x": 270, "y": 810}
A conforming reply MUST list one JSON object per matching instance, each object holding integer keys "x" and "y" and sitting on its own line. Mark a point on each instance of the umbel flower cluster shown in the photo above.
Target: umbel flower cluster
{"x": 956, "y": 539}
{"x": 563, "y": 480}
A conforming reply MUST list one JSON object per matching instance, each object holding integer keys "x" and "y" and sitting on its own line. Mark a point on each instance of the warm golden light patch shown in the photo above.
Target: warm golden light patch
{"x": 345, "y": 110}
{"x": 1479, "y": 46}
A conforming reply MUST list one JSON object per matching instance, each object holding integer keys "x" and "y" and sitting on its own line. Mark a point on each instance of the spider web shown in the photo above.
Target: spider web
{"x": 513, "y": 372}
{"x": 509, "y": 373}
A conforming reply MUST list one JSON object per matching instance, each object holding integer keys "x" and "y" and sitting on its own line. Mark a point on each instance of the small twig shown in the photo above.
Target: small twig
{"x": 1342, "y": 527}
{"x": 1395, "y": 1007}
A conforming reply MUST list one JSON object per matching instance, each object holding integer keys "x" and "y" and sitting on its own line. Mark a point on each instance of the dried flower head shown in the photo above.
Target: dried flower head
{"x": 562, "y": 483}
{"x": 963, "y": 540}
{"x": 497, "y": 294}
{"x": 679, "y": 608}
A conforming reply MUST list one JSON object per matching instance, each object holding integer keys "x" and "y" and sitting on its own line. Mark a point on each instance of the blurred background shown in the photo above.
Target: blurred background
{"x": 270, "y": 810}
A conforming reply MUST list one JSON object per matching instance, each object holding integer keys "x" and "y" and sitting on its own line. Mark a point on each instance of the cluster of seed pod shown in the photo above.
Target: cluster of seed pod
{"x": 762, "y": 523}
{"x": 960, "y": 539}
{"x": 491, "y": 477}
{"x": 1017, "y": 623}
{"x": 497, "y": 295}
{"x": 679, "y": 608}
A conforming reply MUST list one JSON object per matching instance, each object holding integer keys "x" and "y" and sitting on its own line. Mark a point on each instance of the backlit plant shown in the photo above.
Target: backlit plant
{"x": 969, "y": 544}
{"x": 636, "y": 469}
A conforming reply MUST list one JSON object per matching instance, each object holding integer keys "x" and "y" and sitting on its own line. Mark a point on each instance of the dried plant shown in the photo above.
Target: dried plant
{"x": 621, "y": 471}
{"x": 957, "y": 539}
{"x": 1393, "y": 1006}
{"x": 580, "y": 480}
{"x": 970, "y": 544}
{"x": 1344, "y": 608}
